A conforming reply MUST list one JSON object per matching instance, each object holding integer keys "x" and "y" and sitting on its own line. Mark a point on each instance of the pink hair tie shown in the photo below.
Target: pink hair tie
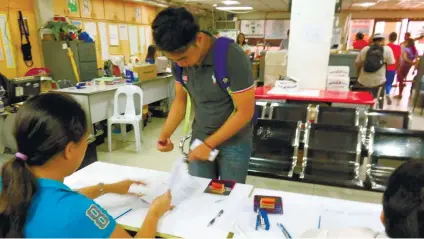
{"x": 21, "y": 156}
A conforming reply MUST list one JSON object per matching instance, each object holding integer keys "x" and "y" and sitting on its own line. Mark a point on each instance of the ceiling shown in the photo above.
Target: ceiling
{"x": 282, "y": 5}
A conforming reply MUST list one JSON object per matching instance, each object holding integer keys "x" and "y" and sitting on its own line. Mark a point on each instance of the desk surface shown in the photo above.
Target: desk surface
{"x": 302, "y": 213}
{"x": 98, "y": 89}
{"x": 188, "y": 219}
{"x": 350, "y": 97}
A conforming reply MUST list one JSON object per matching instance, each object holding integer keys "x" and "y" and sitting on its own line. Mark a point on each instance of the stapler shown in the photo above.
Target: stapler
{"x": 262, "y": 220}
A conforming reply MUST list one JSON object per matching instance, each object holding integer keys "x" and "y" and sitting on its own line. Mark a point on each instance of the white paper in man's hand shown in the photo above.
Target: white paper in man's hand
{"x": 180, "y": 182}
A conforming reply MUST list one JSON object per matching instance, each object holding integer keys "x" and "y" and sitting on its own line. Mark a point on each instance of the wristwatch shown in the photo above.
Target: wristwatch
{"x": 102, "y": 188}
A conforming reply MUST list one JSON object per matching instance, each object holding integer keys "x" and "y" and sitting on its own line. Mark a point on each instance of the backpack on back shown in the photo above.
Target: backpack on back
{"x": 220, "y": 50}
{"x": 374, "y": 59}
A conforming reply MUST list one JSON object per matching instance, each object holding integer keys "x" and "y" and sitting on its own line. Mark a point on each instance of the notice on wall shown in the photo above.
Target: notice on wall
{"x": 142, "y": 36}
{"x": 7, "y": 45}
{"x": 86, "y": 7}
{"x": 123, "y": 32}
{"x": 113, "y": 35}
{"x": 103, "y": 41}
{"x": 276, "y": 29}
{"x": 132, "y": 33}
{"x": 148, "y": 36}
{"x": 73, "y": 5}
{"x": 91, "y": 29}
{"x": 253, "y": 28}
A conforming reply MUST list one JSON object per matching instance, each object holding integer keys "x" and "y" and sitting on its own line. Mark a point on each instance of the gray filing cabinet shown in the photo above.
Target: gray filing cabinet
{"x": 57, "y": 60}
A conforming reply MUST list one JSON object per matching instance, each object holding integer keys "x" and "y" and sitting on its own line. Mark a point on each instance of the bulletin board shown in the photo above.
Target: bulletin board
{"x": 253, "y": 28}
{"x": 276, "y": 29}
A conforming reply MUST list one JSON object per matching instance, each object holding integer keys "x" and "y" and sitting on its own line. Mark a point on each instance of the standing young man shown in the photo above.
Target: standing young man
{"x": 216, "y": 122}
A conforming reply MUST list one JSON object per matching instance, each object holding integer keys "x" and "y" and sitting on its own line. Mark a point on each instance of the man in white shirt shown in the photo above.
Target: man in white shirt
{"x": 403, "y": 210}
{"x": 371, "y": 62}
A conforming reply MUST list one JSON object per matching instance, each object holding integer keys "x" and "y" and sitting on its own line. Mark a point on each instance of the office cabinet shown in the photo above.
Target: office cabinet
{"x": 4, "y": 4}
{"x": 21, "y": 4}
{"x": 98, "y": 11}
{"x": 133, "y": 13}
{"x": 57, "y": 60}
{"x": 114, "y": 10}
{"x": 60, "y": 7}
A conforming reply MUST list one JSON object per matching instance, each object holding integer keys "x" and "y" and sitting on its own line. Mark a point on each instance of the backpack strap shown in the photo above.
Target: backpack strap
{"x": 220, "y": 50}
{"x": 179, "y": 74}
{"x": 179, "y": 79}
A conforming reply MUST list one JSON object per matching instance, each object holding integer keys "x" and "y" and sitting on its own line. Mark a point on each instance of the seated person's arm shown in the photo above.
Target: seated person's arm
{"x": 95, "y": 191}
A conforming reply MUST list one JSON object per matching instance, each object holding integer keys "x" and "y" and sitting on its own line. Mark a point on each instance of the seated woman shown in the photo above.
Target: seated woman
{"x": 241, "y": 41}
{"x": 151, "y": 54}
{"x": 34, "y": 201}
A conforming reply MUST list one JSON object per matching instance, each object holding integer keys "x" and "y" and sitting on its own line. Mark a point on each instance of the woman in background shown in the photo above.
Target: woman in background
{"x": 151, "y": 54}
{"x": 407, "y": 60}
{"x": 51, "y": 134}
{"x": 359, "y": 42}
{"x": 241, "y": 41}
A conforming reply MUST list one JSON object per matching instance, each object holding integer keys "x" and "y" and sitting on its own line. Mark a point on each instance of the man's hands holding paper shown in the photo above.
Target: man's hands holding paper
{"x": 201, "y": 152}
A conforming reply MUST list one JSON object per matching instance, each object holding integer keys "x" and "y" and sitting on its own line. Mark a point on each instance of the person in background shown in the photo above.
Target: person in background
{"x": 374, "y": 55}
{"x": 34, "y": 201}
{"x": 407, "y": 60}
{"x": 403, "y": 209}
{"x": 391, "y": 69}
{"x": 359, "y": 42}
{"x": 285, "y": 42}
{"x": 151, "y": 54}
{"x": 241, "y": 41}
{"x": 222, "y": 121}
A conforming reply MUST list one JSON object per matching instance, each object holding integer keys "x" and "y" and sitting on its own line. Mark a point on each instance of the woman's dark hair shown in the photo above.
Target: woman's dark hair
{"x": 151, "y": 51}
{"x": 44, "y": 126}
{"x": 403, "y": 201}
{"x": 238, "y": 39}
{"x": 393, "y": 36}
{"x": 174, "y": 29}
{"x": 359, "y": 36}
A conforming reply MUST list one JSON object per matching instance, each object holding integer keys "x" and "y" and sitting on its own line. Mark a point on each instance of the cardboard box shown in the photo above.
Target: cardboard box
{"x": 145, "y": 72}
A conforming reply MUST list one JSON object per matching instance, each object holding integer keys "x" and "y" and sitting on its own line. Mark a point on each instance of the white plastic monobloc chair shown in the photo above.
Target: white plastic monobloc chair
{"x": 129, "y": 117}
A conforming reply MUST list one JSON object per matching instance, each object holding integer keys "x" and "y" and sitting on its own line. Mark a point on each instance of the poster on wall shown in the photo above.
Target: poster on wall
{"x": 123, "y": 32}
{"x": 253, "y": 28}
{"x": 132, "y": 33}
{"x": 86, "y": 7}
{"x": 91, "y": 29}
{"x": 4, "y": 32}
{"x": 228, "y": 33}
{"x": 276, "y": 29}
{"x": 72, "y": 5}
{"x": 113, "y": 35}
{"x": 360, "y": 25}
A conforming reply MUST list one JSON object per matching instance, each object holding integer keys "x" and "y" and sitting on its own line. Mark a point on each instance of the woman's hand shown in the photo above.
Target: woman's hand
{"x": 121, "y": 187}
{"x": 161, "y": 205}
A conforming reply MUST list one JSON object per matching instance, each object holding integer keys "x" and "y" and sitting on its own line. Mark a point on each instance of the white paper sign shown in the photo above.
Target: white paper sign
{"x": 276, "y": 29}
{"x": 103, "y": 41}
{"x": 142, "y": 37}
{"x": 10, "y": 59}
{"x": 123, "y": 32}
{"x": 91, "y": 29}
{"x": 113, "y": 35}
{"x": 132, "y": 31}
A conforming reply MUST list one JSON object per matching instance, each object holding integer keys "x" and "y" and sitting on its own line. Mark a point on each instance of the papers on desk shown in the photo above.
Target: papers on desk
{"x": 338, "y": 219}
{"x": 116, "y": 204}
{"x": 303, "y": 93}
{"x": 180, "y": 182}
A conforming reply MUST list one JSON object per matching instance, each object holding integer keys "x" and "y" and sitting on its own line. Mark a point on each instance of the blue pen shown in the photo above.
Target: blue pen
{"x": 319, "y": 222}
{"x": 127, "y": 211}
{"x": 285, "y": 232}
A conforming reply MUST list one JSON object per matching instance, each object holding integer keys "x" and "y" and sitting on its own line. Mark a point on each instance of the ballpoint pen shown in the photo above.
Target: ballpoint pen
{"x": 284, "y": 230}
{"x": 127, "y": 211}
{"x": 216, "y": 217}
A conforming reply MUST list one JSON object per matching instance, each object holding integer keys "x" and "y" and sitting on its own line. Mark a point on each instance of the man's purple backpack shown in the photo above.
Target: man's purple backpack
{"x": 220, "y": 50}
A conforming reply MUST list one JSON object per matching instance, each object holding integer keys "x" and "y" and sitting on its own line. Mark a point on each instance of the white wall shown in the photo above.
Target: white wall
{"x": 311, "y": 28}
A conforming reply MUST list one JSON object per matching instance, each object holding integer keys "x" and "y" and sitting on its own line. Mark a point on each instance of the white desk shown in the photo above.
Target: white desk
{"x": 188, "y": 220}
{"x": 301, "y": 213}
{"x": 98, "y": 101}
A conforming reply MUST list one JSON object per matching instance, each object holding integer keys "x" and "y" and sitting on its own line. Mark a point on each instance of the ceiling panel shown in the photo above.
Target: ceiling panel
{"x": 282, "y": 5}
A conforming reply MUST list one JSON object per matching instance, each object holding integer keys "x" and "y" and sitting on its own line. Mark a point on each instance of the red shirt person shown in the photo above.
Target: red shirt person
{"x": 359, "y": 42}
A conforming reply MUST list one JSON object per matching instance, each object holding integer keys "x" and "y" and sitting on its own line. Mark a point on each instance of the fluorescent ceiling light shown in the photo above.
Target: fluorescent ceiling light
{"x": 234, "y": 8}
{"x": 365, "y": 4}
{"x": 230, "y": 2}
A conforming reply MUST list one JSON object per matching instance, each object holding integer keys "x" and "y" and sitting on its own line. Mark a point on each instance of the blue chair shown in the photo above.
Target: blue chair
{"x": 420, "y": 95}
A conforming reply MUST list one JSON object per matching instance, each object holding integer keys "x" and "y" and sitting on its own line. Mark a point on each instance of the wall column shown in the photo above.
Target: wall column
{"x": 311, "y": 29}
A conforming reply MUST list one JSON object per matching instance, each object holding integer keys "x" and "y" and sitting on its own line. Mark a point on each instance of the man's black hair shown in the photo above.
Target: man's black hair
{"x": 393, "y": 36}
{"x": 403, "y": 201}
{"x": 359, "y": 35}
{"x": 174, "y": 29}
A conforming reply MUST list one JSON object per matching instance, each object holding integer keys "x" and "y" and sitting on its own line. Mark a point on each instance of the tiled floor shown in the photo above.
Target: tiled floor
{"x": 124, "y": 154}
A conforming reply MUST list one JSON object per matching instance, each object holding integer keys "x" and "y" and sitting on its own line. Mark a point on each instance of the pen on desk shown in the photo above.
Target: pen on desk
{"x": 127, "y": 211}
{"x": 319, "y": 222}
{"x": 285, "y": 232}
{"x": 216, "y": 217}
